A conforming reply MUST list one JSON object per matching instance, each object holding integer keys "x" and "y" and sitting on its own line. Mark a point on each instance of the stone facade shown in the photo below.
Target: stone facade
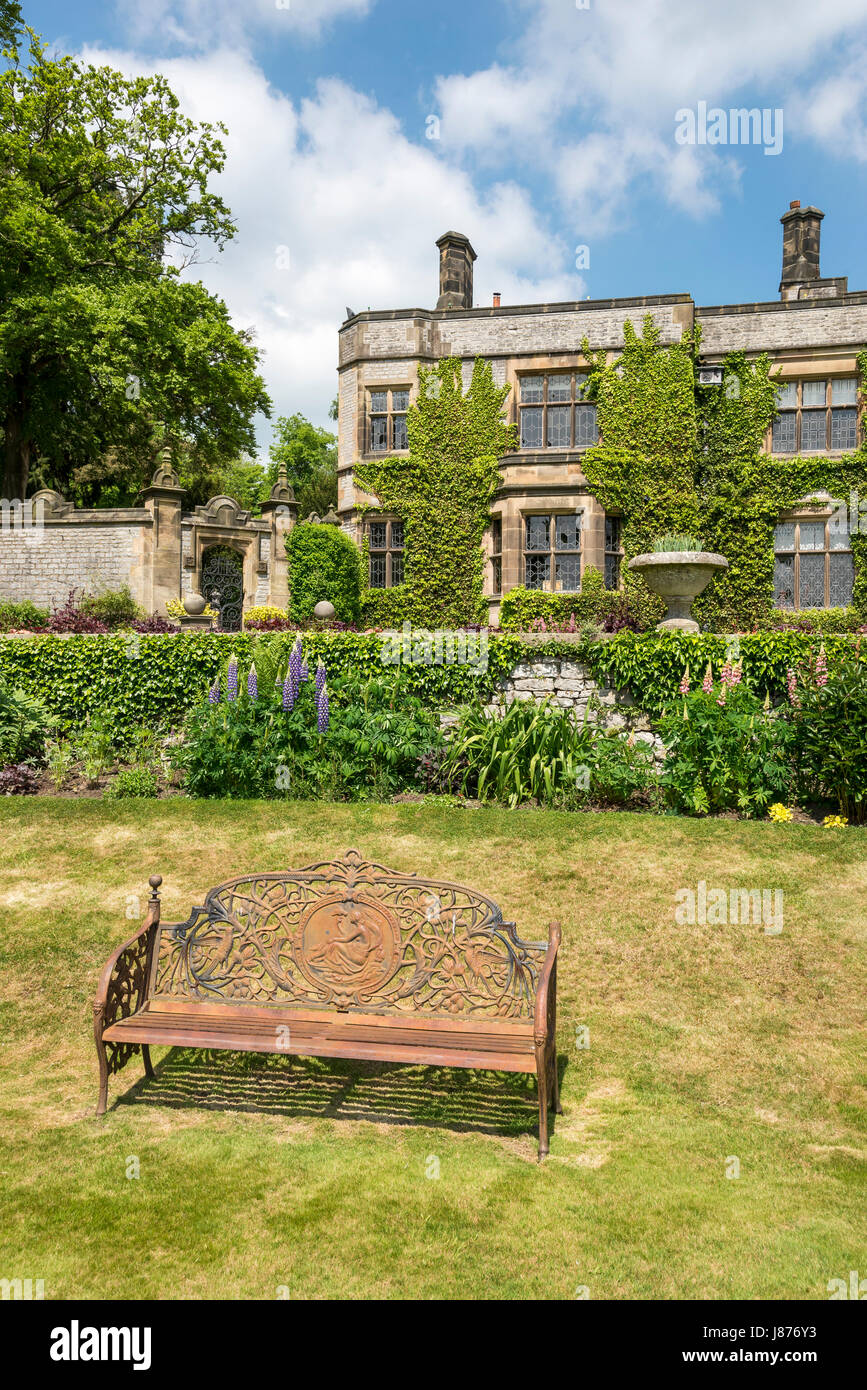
{"x": 814, "y": 330}
{"x": 48, "y": 547}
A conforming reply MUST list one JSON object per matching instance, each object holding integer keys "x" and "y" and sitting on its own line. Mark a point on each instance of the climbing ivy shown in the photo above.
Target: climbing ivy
{"x": 675, "y": 455}
{"x": 443, "y": 489}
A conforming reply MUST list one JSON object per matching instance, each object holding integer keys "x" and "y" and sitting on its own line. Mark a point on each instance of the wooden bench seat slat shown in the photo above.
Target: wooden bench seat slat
{"x": 341, "y": 959}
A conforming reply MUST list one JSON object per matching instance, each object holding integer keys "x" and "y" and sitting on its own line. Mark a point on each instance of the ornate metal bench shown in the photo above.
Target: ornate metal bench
{"x": 340, "y": 959}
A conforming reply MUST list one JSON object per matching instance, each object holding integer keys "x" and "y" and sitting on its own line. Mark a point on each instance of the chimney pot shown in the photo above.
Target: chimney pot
{"x": 795, "y": 204}
{"x": 456, "y": 271}
{"x": 496, "y": 299}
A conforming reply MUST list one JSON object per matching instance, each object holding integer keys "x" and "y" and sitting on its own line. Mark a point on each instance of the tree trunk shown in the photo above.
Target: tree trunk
{"x": 16, "y": 456}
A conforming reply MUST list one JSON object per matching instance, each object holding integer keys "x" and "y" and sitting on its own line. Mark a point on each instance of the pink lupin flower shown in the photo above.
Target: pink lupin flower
{"x": 721, "y": 698}
{"x": 683, "y": 688}
{"x": 822, "y": 667}
{"x": 707, "y": 683}
{"x": 792, "y": 687}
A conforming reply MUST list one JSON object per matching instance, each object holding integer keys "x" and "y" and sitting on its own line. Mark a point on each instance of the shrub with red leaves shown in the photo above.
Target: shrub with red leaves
{"x": 18, "y": 780}
{"x": 155, "y": 624}
{"x": 70, "y": 618}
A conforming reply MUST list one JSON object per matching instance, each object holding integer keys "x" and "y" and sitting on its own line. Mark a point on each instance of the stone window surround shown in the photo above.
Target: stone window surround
{"x": 548, "y": 585}
{"x": 805, "y": 512}
{"x": 389, "y": 389}
{"x": 543, "y": 371}
{"x": 388, "y": 553}
{"x": 495, "y": 554}
{"x": 812, "y": 373}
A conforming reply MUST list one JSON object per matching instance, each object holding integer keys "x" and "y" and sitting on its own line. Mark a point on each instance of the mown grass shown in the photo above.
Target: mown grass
{"x": 707, "y": 1043}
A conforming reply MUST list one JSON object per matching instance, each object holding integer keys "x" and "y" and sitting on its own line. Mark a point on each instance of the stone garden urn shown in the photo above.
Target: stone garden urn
{"x": 194, "y": 604}
{"x": 324, "y": 611}
{"x": 678, "y": 576}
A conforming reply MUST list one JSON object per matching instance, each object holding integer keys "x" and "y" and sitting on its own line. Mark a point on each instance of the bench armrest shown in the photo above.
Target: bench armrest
{"x": 123, "y": 980}
{"x": 547, "y": 989}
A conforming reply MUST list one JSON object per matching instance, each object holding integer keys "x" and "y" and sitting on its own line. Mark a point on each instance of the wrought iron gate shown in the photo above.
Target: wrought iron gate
{"x": 223, "y": 585}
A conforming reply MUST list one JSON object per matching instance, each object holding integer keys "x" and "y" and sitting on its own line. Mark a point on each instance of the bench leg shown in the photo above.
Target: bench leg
{"x": 103, "y": 1078}
{"x": 148, "y": 1065}
{"x": 555, "y": 1082}
{"x": 542, "y": 1079}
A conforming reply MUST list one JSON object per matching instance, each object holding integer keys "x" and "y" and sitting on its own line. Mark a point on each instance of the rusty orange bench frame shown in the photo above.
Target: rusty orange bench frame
{"x": 344, "y": 958}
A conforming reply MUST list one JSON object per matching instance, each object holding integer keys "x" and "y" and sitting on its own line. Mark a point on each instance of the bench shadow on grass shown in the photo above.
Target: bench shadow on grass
{"x": 501, "y": 1103}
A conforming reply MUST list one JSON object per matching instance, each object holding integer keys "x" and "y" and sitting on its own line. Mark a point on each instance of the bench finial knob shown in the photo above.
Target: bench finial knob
{"x": 155, "y": 880}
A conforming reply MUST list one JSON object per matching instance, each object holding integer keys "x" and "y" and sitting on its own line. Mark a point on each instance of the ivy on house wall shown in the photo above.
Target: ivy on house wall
{"x": 442, "y": 490}
{"x": 675, "y": 455}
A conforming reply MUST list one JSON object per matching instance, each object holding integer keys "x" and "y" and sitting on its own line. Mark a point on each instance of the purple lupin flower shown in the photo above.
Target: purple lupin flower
{"x": 304, "y": 673}
{"x": 252, "y": 683}
{"x": 214, "y": 693}
{"x": 232, "y": 680}
{"x": 321, "y": 674}
{"x": 322, "y": 710}
{"x": 289, "y": 691}
{"x": 295, "y": 664}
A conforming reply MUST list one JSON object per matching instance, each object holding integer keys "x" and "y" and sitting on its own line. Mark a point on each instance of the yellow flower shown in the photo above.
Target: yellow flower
{"x": 778, "y": 812}
{"x": 835, "y": 822}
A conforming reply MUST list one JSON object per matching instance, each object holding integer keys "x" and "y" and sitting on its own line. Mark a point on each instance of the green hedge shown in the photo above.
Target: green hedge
{"x": 324, "y": 564}
{"x": 651, "y": 664}
{"x": 153, "y": 679}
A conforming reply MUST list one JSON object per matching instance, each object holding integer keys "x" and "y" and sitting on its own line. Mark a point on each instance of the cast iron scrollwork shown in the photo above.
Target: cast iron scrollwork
{"x": 350, "y": 934}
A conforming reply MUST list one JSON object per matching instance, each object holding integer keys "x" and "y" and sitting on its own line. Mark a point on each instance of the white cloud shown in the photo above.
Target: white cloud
{"x": 591, "y": 94}
{"x": 335, "y": 183}
{"x": 209, "y": 24}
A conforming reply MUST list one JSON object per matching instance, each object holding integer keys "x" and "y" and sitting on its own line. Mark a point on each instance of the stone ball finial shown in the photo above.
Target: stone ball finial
{"x": 324, "y": 611}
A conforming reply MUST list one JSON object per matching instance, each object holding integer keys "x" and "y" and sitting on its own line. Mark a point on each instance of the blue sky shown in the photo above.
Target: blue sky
{"x": 556, "y": 130}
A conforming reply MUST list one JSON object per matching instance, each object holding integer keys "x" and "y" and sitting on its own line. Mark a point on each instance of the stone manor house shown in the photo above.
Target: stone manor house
{"x": 546, "y": 524}
{"x": 547, "y": 527}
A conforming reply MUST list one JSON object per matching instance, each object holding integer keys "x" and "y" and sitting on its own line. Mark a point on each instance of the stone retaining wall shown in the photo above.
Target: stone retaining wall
{"x": 571, "y": 685}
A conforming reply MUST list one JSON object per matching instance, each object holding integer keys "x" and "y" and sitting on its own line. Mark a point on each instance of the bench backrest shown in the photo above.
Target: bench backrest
{"x": 348, "y": 934}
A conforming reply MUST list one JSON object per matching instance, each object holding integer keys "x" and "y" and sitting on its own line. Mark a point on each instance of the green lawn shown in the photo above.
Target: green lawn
{"x": 707, "y": 1043}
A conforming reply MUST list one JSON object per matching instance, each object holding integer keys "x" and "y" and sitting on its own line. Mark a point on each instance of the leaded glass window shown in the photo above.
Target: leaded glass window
{"x": 552, "y": 414}
{"x": 813, "y": 565}
{"x": 387, "y": 420}
{"x": 816, "y": 415}
{"x": 385, "y": 542}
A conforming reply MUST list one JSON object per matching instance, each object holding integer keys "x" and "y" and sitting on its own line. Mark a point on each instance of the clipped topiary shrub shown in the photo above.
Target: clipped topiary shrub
{"x": 386, "y": 607}
{"x": 525, "y": 610}
{"x": 323, "y": 564}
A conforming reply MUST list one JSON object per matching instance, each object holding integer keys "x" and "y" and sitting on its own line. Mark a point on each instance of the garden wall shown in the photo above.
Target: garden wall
{"x": 570, "y": 685}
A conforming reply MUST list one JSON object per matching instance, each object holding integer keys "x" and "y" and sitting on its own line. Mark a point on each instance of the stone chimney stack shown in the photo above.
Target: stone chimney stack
{"x": 456, "y": 271}
{"x": 802, "y": 230}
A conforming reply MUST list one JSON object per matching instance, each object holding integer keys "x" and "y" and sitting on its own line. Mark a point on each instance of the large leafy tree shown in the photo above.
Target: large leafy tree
{"x": 10, "y": 22}
{"x": 107, "y": 356}
{"x": 309, "y": 455}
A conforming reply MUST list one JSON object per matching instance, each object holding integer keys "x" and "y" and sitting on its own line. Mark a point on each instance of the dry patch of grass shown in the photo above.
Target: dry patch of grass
{"x": 705, "y": 1043}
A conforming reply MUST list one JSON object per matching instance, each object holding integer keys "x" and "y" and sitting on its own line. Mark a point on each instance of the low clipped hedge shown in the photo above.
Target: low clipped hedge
{"x": 153, "y": 679}
{"x": 651, "y": 665}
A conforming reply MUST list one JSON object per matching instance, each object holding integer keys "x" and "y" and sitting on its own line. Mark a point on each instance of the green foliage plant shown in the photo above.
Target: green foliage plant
{"x": 324, "y": 563}
{"x": 443, "y": 489}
